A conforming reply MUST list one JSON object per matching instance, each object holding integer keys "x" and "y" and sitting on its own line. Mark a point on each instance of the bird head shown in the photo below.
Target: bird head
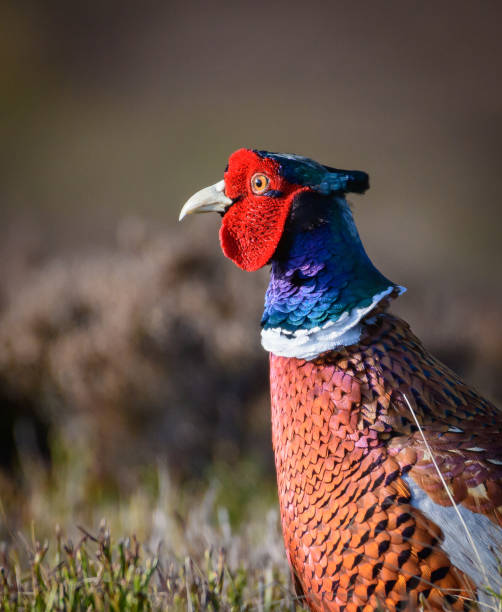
{"x": 256, "y": 197}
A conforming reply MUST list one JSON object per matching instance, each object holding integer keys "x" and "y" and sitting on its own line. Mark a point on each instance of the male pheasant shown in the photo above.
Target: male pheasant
{"x": 389, "y": 467}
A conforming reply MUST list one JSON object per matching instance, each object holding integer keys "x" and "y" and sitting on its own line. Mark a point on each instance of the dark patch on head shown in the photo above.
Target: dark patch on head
{"x": 309, "y": 210}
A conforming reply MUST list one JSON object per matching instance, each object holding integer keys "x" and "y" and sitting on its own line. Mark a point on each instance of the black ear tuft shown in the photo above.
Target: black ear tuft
{"x": 349, "y": 181}
{"x": 359, "y": 182}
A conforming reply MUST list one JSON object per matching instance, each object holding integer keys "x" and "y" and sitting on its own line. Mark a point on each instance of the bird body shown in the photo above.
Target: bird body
{"x": 346, "y": 449}
{"x": 376, "y": 442}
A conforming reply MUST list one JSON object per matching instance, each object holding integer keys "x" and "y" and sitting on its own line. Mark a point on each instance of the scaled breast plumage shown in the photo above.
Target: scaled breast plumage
{"x": 348, "y": 457}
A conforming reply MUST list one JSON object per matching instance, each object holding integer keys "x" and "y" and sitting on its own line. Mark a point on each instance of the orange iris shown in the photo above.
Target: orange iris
{"x": 259, "y": 183}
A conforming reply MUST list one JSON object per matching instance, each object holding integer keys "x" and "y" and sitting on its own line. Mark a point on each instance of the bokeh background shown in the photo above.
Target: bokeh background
{"x": 127, "y": 341}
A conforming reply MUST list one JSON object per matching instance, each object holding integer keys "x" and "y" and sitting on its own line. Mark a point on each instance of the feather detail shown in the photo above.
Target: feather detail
{"x": 352, "y": 471}
{"x": 310, "y": 343}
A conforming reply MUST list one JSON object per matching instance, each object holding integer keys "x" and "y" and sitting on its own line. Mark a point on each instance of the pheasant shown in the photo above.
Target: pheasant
{"x": 389, "y": 467}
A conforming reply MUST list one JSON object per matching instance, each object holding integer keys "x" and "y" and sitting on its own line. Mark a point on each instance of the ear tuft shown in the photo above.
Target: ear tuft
{"x": 344, "y": 181}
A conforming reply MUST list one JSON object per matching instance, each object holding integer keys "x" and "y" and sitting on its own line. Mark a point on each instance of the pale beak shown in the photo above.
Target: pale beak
{"x": 209, "y": 199}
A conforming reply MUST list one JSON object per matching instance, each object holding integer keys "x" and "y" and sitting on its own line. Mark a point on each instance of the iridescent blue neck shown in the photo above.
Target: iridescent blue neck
{"x": 322, "y": 282}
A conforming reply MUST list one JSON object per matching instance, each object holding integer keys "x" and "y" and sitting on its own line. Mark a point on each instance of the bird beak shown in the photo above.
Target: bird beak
{"x": 209, "y": 199}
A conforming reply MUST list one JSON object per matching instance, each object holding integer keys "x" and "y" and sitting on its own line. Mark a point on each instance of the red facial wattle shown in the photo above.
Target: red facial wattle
{"x": 252, "y": 227}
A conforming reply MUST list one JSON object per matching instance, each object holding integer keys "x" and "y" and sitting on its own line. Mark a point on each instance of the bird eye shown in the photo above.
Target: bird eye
{"x": 259, "y": 183}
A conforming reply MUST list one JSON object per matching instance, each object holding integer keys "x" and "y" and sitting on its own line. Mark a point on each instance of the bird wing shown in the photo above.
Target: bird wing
{"x": 447, "y": 440}
{"x": 443, "y": 431}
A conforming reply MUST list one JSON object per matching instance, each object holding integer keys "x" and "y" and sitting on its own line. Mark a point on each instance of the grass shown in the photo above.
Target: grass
{"x": 163, "y": 546}
{"x": 97, "y": 574}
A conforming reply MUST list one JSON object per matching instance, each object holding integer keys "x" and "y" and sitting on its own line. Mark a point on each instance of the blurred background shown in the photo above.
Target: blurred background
{"x": 128, "y": 345}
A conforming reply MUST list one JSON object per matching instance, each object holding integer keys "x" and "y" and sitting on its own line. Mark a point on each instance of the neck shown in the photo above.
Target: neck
{"x": 322, "y": 282}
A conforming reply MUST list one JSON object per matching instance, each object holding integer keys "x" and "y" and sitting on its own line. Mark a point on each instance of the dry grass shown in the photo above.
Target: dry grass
{"x": 98, "y": 574}
{"x": 172, "y": 547}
